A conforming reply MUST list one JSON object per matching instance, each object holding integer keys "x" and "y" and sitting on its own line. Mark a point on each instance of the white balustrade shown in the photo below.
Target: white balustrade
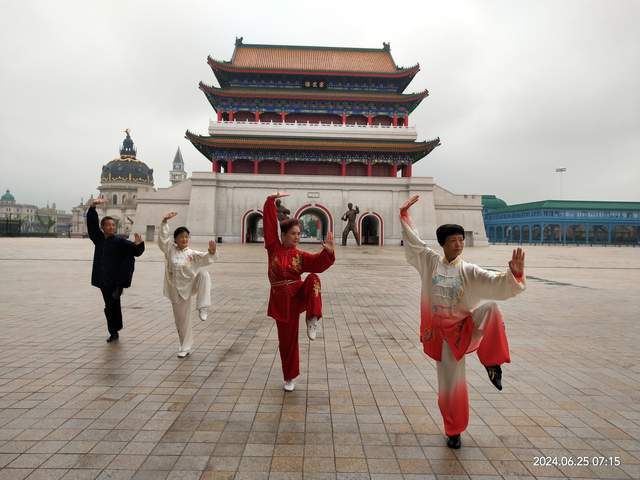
{"x": 336, "y": 130}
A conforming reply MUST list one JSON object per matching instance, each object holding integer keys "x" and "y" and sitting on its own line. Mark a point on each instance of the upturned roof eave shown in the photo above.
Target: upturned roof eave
{"x": 229, "y": 67}
{"x": 285, "y": 143}
{"x": 290, "y": 94}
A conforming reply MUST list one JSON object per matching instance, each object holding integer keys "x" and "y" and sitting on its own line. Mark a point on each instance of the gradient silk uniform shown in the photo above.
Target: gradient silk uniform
{"x": 454, "y": 323}
{"x": 290, "y": 295}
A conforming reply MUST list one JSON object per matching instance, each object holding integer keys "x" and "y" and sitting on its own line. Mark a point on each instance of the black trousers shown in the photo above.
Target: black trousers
{"x": 112, "y": 308}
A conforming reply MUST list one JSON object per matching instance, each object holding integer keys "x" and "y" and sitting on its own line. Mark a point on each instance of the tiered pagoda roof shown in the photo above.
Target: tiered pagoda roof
{"x": 310, "y": 61}
{"x": 287, "y": 57}
{"x": 291, "y": 59}
{"x": 339, "y": 97}
{"x": 207, "y": 144}
{"x": 298, "y": 85}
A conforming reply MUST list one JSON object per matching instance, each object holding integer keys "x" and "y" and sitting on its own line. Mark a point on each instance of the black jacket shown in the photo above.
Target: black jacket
{"x": 113, "y": 257}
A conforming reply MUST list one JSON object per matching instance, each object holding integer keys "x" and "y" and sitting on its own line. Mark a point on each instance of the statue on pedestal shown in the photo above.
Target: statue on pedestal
{"x": 283, "y": 212}
{"x": 350, "y": 217}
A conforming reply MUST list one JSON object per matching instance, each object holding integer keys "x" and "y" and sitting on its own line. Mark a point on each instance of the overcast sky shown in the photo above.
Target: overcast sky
{"x": 517, "y": 88}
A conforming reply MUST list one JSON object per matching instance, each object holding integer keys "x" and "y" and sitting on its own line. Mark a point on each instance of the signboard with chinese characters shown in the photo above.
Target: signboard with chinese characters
{"x": 314, "y": 84}
{"x": 313, "y": 194}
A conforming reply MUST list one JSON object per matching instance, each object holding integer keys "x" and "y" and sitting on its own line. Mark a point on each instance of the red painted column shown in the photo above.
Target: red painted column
{"x": 343, "y": 168}
{"x": 406, "y": 120}
{"x": 256, "y": 167}
{"x": 257, "y": 117}
{"x": 394, "y": 170}
{"x": 231, "y": 114}
{"x": 395, "y": 119}
{"x": 408, "y": 169}
{"x": 215, "y": 166}
{"x": 369, "y": 169}
{"x": 219, "y": 115}
{"x": 229, "y": 166}
{"x": 369, "y": 120}
{"x": 281, "y": 167}
{"x": 344, "y": 118}
{"x": 282, "y": 115}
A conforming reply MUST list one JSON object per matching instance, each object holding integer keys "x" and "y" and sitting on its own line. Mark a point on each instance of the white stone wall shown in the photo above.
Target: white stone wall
{"x": 214, "y": 204}
{"x": 465, "y": 210}
{"x": 152, "y": 205}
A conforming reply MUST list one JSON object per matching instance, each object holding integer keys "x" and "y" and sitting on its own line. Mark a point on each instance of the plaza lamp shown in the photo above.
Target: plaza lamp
{"x": 561, "y": 171}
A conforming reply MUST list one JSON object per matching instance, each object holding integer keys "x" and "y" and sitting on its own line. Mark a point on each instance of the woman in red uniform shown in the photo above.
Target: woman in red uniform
{"x": 290, "y": 295}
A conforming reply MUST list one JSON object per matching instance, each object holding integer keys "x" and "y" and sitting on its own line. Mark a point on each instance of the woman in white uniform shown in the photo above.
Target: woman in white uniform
{"x": 184, "y": 278}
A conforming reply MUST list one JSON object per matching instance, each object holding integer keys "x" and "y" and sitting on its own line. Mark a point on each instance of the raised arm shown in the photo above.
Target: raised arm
{"x": 270, "y": 223}
{"x": 200, "y": 259}
{"x": 417, "y": 253}
{"x": 138, "y": 245}
{"x": 135, "y": 248}
{"x": 93, "y": 225}
{"x": 499, "y": 285}
{"x": 164, "y": 237}
{"x": 319, "y": 262}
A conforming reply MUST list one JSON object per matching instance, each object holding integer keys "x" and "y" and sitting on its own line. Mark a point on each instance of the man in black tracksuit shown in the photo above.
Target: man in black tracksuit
{"x": 113, "y": 264}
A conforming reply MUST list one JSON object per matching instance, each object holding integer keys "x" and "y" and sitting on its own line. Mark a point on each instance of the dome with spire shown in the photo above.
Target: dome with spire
{"x": 8, "y": 197}
{"x": 128, "y": 149}
{"x": 127, "y": 168}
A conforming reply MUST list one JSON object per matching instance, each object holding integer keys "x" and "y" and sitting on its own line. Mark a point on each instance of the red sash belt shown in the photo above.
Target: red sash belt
{"x": 282, "y": 283}
{"x": 457, "y": 334}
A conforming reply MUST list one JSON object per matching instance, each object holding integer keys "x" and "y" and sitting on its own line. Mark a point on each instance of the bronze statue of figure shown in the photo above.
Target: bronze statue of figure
{"x": 350, "y": 217}
{"x": 283, "y": 212}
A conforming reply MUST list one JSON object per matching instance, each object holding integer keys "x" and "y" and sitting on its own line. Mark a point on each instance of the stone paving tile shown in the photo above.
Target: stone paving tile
{"x": 365, "y": 406}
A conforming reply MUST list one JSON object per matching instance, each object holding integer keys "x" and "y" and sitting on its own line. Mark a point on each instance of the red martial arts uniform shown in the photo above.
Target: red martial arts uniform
{"x": 290, "y": 295}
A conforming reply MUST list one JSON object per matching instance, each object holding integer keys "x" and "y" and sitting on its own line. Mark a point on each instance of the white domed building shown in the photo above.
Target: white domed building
{"x": 122, "y": 180}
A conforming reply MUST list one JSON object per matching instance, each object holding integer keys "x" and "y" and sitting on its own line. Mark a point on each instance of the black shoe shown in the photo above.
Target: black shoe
{"x": 495, "y": 375}
{"x": 113, "y": 337}
{"x": 454, "y": 442}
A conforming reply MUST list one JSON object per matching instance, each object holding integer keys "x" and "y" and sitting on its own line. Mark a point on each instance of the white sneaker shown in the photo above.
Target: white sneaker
{"x": 183, "y": 353}
{"x": 289, "y": 386}
{"x": 202, "y": 312}
{"x": 312, "y": 328}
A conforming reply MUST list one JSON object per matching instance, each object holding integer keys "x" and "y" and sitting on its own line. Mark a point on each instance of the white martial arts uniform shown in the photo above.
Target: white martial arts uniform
{"x": 184, "y": 278}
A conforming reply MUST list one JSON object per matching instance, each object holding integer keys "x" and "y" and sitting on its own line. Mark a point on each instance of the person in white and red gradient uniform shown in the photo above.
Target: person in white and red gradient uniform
{"x": 454, "y": 322}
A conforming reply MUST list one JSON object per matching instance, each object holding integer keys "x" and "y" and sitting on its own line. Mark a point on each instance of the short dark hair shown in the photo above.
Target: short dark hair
{"x": 180, "y": 230}
{"x": 104, "y": 219}
{"x": 288, "y": 224}
{"x": 447, "y": 230}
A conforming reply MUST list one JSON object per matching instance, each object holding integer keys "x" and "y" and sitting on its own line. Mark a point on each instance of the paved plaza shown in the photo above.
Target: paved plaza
{"x": 74, "y": 407}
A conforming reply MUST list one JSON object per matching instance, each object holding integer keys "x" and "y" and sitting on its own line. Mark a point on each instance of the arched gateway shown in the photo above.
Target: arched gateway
{"x": 252, "y": 227}
{"x": 315, "y": 222}
{"x": 371, "y": 229}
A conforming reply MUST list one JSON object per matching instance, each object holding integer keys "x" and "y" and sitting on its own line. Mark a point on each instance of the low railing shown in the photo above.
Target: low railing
{"x": 306, "y": 125}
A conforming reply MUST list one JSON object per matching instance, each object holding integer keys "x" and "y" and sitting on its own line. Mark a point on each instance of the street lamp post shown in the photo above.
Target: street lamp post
{"x": 561, "y": 171}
